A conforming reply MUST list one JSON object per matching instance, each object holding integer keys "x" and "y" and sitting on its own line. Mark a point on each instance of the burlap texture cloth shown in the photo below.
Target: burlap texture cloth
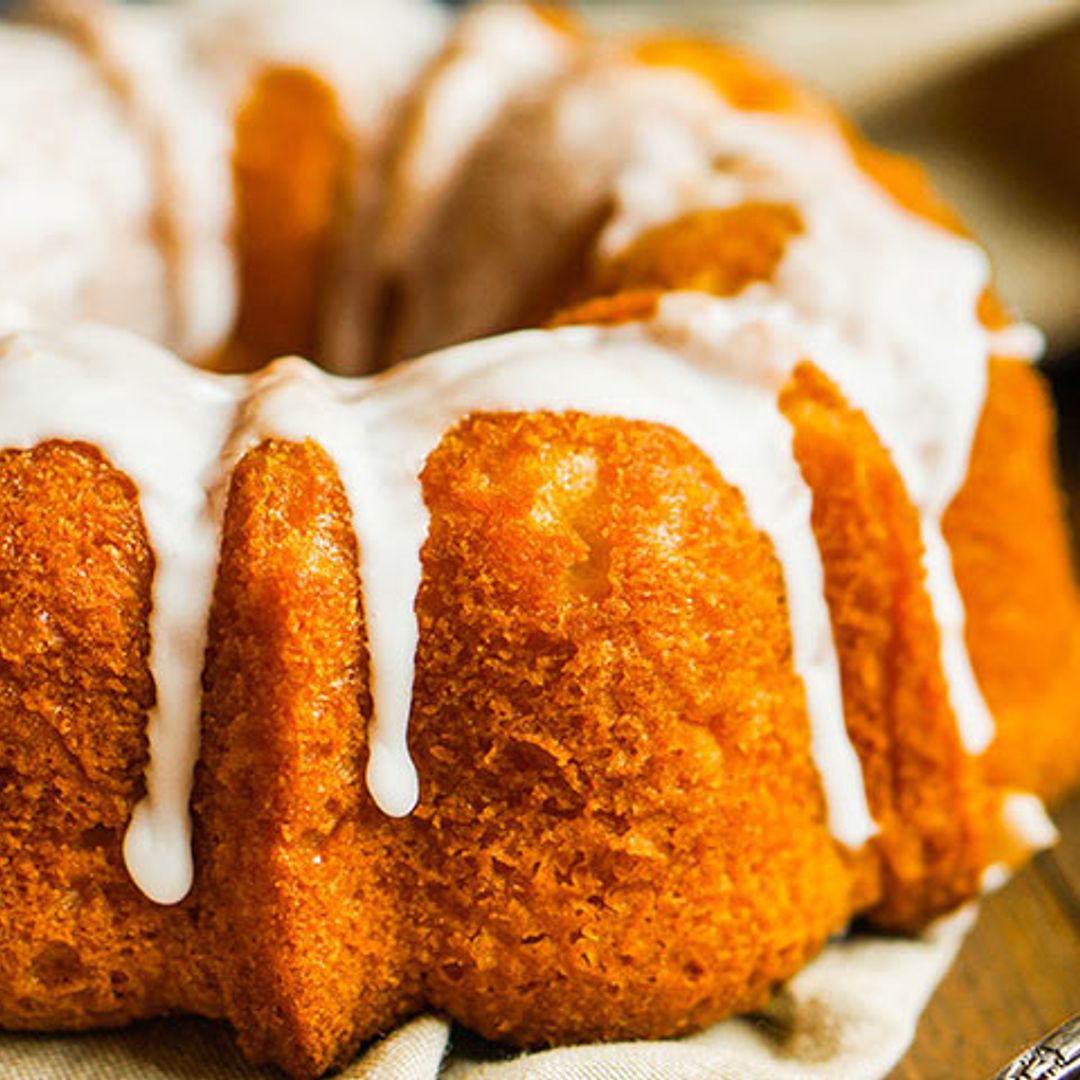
{"x": 850, "y": 1015}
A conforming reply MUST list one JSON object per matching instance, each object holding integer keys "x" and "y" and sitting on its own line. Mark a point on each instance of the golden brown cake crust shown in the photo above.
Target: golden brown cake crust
{"x": 744, "y": 80}
{"x": 605, "y": 688}
{"x": 305, "y": 926}
{"x": 1024, "y": 669}
{"x": 935, "y": 815}
{"x": 713, "y": 251}
{"x": 80, "y": 946}
{"x": 1023, "y": 624}
{"x": 292, "y": 163}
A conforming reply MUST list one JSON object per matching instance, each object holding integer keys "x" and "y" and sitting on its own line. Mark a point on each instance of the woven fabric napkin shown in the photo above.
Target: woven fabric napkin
{"x": 850, "y": 1015}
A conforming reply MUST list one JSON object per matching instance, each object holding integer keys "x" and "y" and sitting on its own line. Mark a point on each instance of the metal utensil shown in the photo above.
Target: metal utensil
{"x": 1054, "y": 1057}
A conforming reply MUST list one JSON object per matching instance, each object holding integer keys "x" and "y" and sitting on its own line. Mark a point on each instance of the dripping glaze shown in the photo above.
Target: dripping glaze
{"x": 884, "y": 303}
{"x": 178, "y": 432}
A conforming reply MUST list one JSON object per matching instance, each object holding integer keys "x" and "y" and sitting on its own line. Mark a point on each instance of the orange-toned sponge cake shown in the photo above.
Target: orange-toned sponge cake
{"x": 578, "y": 683}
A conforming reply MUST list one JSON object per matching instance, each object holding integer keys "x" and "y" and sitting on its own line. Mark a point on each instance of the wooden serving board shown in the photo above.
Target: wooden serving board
{"x": 1018, "y": 975}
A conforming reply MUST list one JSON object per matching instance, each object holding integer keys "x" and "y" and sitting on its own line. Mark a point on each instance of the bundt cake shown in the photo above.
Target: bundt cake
{"x": 578, "y": 682}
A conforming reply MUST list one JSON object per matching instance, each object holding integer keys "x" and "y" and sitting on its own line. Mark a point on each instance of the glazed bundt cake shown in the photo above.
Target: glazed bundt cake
{"x": 578, "y": 682}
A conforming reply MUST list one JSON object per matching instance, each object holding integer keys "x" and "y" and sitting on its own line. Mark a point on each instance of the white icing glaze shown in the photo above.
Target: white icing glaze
{"x": 13, "y": 316}
{"x": 497, "y": 52}
{"x": 368, "y": 50}
{"x": 381, "y": 432}
{"x": 163, "y": 424}
{"x": 117, "y": 180}
{"x": 144, "y": 54}
{"x": 1029, "y": 827}
{"x": 369, "y": 53}
{"x": 913, "y": 408}
{"x": 1020, "y": 341}
{"x": 149, "y": 248}
{"x": 886, "y": 302}
{"x": 996, "y": 876}
{"x": 292, "y": 400}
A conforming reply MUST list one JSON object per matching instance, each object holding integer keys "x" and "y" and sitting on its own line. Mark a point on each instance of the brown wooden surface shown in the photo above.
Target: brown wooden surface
{"x": 1018, "y": 974}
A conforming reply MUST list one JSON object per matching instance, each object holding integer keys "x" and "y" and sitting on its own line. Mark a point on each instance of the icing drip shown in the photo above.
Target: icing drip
{"x": 381, "y": 432}
{"x": 162, "y": 424}
{"x": 1020, "y": 341}
{"x": 885, "y": 303}
{"x": 186, "y": 131}
{"x": 1030, "y": 829}
{"x": 77, "y": 191}
{"x": 911, "y": 408}
{"x": 1027, "y": 821}
{"x": 293, "y": 401}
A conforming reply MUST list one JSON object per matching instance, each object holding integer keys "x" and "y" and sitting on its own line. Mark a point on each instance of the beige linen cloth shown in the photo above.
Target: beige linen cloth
{"x": 850, "y": 1015}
